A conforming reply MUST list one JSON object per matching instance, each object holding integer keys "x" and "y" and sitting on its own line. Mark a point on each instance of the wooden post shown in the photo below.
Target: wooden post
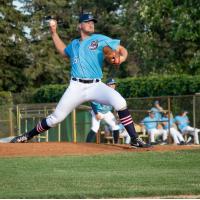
{"x": 169, "y": 117}
{"x": 18, "y": 120}
{"x": 11, "y": 122}
{"x": 59, "y": 132}
{"x": 74, "y": 125}
{"x": 194, "y": 111}
{"x": 47, "y": 132}
{"x": 98, "y": 134}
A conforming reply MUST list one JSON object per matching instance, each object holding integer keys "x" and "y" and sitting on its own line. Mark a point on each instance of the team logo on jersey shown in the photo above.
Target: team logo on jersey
{"x": 93, "y": 45}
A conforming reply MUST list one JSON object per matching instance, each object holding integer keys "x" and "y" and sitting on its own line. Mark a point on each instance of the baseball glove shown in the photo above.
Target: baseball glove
{"x": 111, "y": 56}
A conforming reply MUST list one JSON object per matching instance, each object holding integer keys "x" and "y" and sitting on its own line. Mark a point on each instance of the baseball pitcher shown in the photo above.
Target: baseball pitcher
{"x": 86, "y": 56}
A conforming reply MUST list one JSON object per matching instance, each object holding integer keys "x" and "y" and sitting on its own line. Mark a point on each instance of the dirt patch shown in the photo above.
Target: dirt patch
{"x": 66, "y": 148}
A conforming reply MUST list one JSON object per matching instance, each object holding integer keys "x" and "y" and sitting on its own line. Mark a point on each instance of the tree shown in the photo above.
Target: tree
{"x": 164, "y": 35}
{"x": 13, "y": 58}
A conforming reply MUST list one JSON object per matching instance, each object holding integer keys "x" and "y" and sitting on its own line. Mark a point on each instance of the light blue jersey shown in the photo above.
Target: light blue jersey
{"x": 157, "y": 113}
{"x": 182, "y": 121}
{"x": 100, "y": 108}
{"x": 87, "y": 56}
{"x": 149, "y": 122}
{"x": 168, "y": 124}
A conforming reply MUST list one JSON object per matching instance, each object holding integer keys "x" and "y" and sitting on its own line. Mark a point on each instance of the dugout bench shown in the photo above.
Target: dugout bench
{"x": 105, "y": 137}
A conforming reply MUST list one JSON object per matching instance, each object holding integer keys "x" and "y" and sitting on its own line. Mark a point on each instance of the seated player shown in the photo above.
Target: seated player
{"x": 168, "y": 121}
{"x": 183, "y": 122}
{"x": 151, "y": 125}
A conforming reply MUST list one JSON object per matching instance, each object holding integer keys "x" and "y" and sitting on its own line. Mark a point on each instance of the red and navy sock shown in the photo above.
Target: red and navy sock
{"x": 40, "y": 127}
{"x": 127, "y": 121}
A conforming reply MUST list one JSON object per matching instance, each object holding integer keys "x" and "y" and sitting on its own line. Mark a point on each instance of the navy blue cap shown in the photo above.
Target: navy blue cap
{"x": 110, "y": 81}
{"x": 86, "y": 18}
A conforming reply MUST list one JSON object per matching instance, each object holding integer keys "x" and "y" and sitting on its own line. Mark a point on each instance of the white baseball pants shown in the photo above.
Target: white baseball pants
{"x": 193, "y": 131}
{"x": 108, "y": 117}
{"x": 176, "y": 135}
{"x": 122, "y": 133}
{"x": 126, "y": 136}
{"x": 78, "y": 93}
{"x": 157, "y": 132}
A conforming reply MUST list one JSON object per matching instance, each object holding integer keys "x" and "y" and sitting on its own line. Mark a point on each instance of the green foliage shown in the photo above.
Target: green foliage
{"x": 159, "y": 86}
{"x": 162, "y": 37}
{"x": 6, "y": 98}
{"x": 133, "y": 87}
{"x": 48, "y": 93}
{"x": 13, "y": 55}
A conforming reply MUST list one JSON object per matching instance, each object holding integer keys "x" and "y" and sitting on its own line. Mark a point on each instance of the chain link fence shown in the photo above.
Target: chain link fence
{"x": 7, "y": 121}
{"x": 20, "y": 118}
{"x": 175, "y": 104}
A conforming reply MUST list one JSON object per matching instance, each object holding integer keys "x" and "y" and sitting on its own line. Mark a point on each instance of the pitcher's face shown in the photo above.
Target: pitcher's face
{"x": 87, "y": 27}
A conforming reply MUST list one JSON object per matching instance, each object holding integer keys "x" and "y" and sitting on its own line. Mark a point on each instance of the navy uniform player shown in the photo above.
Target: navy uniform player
{"x": 86, "y": 58}
{"x": 103, "y": 112}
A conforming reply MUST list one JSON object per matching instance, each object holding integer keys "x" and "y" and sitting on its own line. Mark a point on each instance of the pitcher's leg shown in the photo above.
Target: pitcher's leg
{"x": 70, "y": 99}
{"x": 73, "y": 96}
{"x": 109, "y": 118}
{"x": 107, "y": 95}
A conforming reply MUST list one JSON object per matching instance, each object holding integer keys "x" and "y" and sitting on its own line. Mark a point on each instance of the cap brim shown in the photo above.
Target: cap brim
{"x": 94, "y": 20}
{"x": 150, "y": 111}
{"x": 112, "y": 83}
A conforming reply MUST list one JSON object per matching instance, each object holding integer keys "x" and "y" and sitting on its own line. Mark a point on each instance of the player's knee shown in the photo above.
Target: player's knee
{"x": 54, "y": 119}
{"x": 122, "y": 105}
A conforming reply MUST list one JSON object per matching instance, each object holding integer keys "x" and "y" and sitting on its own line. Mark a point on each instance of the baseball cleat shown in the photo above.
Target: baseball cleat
{"x": 138, "y": 143}
{"x": 20, "y": 139}
{"x": 163, "y": 143}
{"x": 182, "y": 143}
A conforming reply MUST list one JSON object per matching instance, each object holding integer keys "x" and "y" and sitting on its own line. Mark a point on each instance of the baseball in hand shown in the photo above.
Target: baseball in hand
{"x": 52, "y": 22}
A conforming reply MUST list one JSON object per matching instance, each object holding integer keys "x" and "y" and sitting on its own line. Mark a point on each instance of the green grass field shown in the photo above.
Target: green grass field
{"x": 122, "y": 175}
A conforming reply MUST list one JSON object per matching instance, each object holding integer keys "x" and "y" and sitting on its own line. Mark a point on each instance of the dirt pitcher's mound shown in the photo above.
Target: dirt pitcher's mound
{"x": 66, "y": 148}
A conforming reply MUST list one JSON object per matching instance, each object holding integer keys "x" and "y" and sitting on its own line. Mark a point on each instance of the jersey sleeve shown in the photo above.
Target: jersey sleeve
{"x": 107, "y": 41}
{"x": 113, "y": 44}
{"x": 68, "y": 50}
{"x": 95, "y": 107}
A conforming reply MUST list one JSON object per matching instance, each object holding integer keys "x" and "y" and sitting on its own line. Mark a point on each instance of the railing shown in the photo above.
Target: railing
{"x": 174, "y": 104}
{"x": 15, "y": 120}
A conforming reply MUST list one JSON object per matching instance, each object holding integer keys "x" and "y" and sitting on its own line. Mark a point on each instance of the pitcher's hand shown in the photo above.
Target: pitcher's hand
{"x": 53, "y": 25}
